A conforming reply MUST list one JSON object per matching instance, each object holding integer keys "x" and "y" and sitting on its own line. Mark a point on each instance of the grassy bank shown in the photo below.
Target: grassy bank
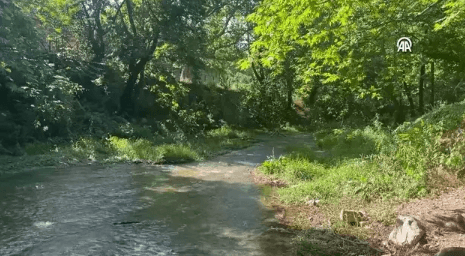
{"x": 139, "y": 145}
{"x": 372, "y": 168}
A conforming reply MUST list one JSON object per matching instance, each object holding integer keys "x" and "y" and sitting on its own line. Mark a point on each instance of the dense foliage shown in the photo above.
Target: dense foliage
{"x": 70, "y": 67}
{"x": 351, "y": 45}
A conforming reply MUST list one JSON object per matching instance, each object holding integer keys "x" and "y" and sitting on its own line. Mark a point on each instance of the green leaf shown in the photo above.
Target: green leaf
{"x": 244, "y": 64}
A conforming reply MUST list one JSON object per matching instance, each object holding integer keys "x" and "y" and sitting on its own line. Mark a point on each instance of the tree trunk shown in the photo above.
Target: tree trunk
{"x": 127, "y": 98}
{"x": 138, "y": 92}
{"x": 288, "y": 75}
{"x": 410, "y": 99}
{"x": 315, "y": 87}
{"x": 421, "y": 104}
{"x": 95, "y": 33}
{"x": 259, "y": 76}
{"x": 135, "y": 68}
{"x": 400, "y": 114}
{"x": 432, "y": 84}
{"x": 289, "y": 98}
{"x": 290, "y": 88}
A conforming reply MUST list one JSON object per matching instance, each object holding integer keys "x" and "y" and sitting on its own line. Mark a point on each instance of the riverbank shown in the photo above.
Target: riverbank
{"x": 114, "y": 149}
{"x": 384, "y": 173}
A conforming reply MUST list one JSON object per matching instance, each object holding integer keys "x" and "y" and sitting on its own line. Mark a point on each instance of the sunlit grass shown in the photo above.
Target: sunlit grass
{"x": 355, "y": 168}
{"x": 371, "y": 168}
{"x": 138, "y": 144}
{"x": 228, "y": 132}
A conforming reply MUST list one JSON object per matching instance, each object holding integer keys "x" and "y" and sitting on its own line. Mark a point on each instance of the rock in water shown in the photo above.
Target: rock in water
{"x": 126, "y": 222}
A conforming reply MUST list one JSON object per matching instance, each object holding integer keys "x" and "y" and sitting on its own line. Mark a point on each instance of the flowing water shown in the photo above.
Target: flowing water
{"x": 208, "y": 208}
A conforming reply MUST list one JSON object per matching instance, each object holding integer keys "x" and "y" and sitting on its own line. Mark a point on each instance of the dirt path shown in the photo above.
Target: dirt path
{"x": 440, "y": 216}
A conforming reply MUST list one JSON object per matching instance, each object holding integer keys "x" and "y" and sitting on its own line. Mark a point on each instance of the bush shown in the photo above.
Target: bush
{"x": 443, "y": 118}
{"x": 135, "y": 149}
{"x": 130, "y": 130}
{"x": 90, "y": 148}
{"x": 353, "y": 143}
{"x": 228, "y": 132}
{"x": 38, "y": 148}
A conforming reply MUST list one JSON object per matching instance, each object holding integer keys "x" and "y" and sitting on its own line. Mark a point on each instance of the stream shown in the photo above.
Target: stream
{"x": 206, "y": 208}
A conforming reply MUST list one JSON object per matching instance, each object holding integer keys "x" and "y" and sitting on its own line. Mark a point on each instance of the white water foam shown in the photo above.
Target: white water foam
{"x": 43, "y": 224}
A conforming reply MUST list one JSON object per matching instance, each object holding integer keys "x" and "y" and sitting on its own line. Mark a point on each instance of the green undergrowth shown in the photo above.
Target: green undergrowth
{"x": 195, "y": 149}
{"x": 127, "y": 147}
{"x": 372, "y": 164}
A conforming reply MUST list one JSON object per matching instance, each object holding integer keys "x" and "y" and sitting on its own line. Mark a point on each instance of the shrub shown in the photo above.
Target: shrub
{"x": 135, "y": 149}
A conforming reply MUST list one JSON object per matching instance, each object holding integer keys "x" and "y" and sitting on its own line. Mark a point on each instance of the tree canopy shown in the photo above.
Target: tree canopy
{"x": 339, "y": 57}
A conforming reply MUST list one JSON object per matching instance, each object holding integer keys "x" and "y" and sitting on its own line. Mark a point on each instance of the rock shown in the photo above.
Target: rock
{"x": 364, "y": 214}
{"x": 452, "y": 251}
{"x": 460, "y": 220}
{"x": 313, "y": 202}
{"x": 458, "y": 223}
{"x": 408, "y": 231}
{"x": 137, "y": 161}
{"x": 451, "y": 225}
{"x": 126, "y": 222}
{"x": 351, "y": 217}
{"x": 363, "y": 223}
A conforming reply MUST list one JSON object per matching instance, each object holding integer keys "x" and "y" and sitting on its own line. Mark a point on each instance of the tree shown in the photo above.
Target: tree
{"x": 29, "y": 83}
{"x": 143, "y": 26}
{"x": 345, "y": 39}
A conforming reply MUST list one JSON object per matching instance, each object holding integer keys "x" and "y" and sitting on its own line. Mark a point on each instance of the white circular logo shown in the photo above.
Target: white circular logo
{"x": 404, "y": 44}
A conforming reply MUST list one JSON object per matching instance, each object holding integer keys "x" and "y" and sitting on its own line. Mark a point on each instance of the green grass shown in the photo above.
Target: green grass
{"x": 132, "y": 144}
{"x": 363, "y": 163}
{"x": 364, "y": 178}
{"x": 353, "y": 143}
{"x": 443, "y": 118}
{"x": 372, "y": 164}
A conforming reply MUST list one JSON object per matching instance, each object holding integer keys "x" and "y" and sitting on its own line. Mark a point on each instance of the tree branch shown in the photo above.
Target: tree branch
{"x": 88, "y": 20}
{"x": 225, "y": 27}
{"x": 428, "y": 8}
{"x": 131, "y": 18}
{"x": 126, "y": 27}
{"x": 118, "y": 11}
